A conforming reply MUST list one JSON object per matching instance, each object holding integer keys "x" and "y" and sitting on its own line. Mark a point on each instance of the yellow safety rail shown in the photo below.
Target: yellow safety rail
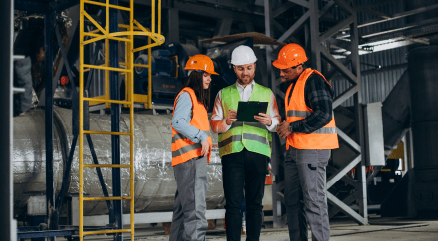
{"x": 154, "y": 39}
{"x": 134, "y": 28}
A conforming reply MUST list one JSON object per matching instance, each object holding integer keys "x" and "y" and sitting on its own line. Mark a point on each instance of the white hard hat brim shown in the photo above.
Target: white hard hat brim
{"x": 244, "y": 62}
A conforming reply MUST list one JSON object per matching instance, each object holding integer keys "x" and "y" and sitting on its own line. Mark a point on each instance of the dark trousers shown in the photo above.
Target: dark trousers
{"x": 304, "y": 194}
{"x": 188, "y": 221}
{"x": 244, "y": 170}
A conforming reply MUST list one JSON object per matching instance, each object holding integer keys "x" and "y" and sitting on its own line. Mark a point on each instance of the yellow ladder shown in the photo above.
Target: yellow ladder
{"x": 133, "y": 29}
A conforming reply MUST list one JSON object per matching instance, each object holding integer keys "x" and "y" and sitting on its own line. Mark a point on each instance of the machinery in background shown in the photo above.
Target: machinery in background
{"x": 167, "y": 71}
{"x": 221, "y": 56}
{"x": 168, "y": 74}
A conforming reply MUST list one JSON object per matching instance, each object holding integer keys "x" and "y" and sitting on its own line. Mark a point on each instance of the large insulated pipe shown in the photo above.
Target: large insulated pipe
{"x": 154, "y": 180}
{"x": 423, "y": 73}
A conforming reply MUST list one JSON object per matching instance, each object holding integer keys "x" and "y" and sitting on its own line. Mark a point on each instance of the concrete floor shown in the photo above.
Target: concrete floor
{"x": 342, "y": 229}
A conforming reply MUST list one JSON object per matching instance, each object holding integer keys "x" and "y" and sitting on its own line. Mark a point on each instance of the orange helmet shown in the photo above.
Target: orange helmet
{"x": 289, "y": 56}
{"x": 200, "y": 62}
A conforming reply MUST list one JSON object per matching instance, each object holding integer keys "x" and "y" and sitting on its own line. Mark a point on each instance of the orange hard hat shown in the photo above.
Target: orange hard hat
{"x": 200, "y": 62}
{"x": 289, "y": 56}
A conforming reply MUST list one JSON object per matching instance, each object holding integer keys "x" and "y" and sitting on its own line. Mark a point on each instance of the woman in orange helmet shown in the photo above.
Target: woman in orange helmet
{"x": 191, "y": 151}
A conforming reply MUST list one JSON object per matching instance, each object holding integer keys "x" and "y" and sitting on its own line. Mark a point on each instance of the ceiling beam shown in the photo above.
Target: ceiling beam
{"x": 326, "y": 8}
{"x": 401, "y": 28}
{"x": 283, "y": 8}
{"x": 372, "y": 12}
{"x": 338, "y": 27}
{"x": 399, "y": 15}
{"x": 297, "y": 25}
{"x": 345, "y": 6}
{"x": 218, "y": 13}
{"x": 302, "y": 3}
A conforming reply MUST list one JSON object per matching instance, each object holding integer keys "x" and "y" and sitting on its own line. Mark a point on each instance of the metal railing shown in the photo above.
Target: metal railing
{"x": 134, "y": 28}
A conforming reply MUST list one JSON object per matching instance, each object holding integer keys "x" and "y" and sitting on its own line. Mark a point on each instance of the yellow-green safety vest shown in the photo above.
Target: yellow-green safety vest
{"x": 252, "y": 135}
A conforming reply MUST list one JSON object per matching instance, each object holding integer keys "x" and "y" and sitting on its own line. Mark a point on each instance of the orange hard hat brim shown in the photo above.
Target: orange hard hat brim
{"x": 278, "y": 65}
{"x": 212, "y": 72}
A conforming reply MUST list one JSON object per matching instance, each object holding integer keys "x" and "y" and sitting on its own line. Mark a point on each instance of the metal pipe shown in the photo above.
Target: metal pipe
{"x": 155, "y": 185}
{"x": 130, "y": 60}
{"x": 7, "y": 223}
{"x": 153, "y": 16}
{"x": 50, "y": 188}
{"x": 115, "y": 119}
{"x": 81, "y": 118}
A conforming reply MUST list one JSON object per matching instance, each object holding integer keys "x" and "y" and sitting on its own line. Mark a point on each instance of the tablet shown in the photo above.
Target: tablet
{"x": 263, "y": 107}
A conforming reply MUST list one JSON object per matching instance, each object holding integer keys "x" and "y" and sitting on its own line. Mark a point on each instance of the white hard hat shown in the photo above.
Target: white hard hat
{"x": 243, "y": 55}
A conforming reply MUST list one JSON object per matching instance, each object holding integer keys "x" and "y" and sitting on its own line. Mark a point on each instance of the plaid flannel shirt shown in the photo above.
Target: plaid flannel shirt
{"x": 319, "y": 97}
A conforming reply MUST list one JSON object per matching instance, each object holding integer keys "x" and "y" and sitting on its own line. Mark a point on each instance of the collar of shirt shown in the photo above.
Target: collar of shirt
{"x": 245, "y": 92}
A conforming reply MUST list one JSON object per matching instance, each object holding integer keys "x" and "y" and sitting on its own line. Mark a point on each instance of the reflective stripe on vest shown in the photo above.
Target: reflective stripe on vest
{"x": 253, "y": 136}
{"x": 305, "y": 114}
{"x": 255, "y": 124}
{"x": 187, "y": 148}
{"x": 183, "y": 149}
{"x": 247, "y": 136}
{"x": 296, "y": 110}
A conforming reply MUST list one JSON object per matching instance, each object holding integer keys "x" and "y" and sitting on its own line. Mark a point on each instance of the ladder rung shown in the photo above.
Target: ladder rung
{"x": 18, "y": 90}
{"x": 106, "y": 68}
{"x": 107, "y": 165}
{"x": 109, "y": 101}
{"x": 136, "y": 65}
{"x": 108, "y": 133}
{"x": 141, "y": 65}
{"x": 106, "y": 198}
{"x": 128, "y": 26}
{"x": 18, "y": 57}
{"x": 108, "y": 231}
{"x": 110, "y": 5}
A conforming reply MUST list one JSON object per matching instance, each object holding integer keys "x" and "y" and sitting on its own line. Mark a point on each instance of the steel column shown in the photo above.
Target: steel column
{"x": 7, "y": 222}
{"x": 360, "y": 170}
{"x": 115, "y": 120}
{"x": 313, "y": 44}
{"x": 172, "y": 25}
{"x": 315, "y": 47}
{"x": 278, "y": 145}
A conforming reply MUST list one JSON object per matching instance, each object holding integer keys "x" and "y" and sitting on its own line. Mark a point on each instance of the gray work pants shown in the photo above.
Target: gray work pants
{"x": 188, "y": 221}
{"x": 304, "y": 193}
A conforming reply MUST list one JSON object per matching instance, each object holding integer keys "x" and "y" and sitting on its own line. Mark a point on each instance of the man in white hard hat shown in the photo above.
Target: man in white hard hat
{"x": 244, "y": 146}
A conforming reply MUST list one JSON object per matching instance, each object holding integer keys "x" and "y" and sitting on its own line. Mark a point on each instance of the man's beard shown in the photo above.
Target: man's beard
{"x": 250, "y": 79}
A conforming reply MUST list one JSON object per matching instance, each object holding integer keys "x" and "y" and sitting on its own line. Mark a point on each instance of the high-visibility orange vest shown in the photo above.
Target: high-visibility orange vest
{"x": 183, "y": 149}
{"x": 296, "y": 109}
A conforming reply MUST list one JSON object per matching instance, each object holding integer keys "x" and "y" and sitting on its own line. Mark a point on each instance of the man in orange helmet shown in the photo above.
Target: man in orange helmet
{"x": 310, "y": 131}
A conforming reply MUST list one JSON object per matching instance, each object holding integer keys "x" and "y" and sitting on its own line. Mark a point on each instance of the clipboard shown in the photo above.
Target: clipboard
{"x": 247, "y": 110}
